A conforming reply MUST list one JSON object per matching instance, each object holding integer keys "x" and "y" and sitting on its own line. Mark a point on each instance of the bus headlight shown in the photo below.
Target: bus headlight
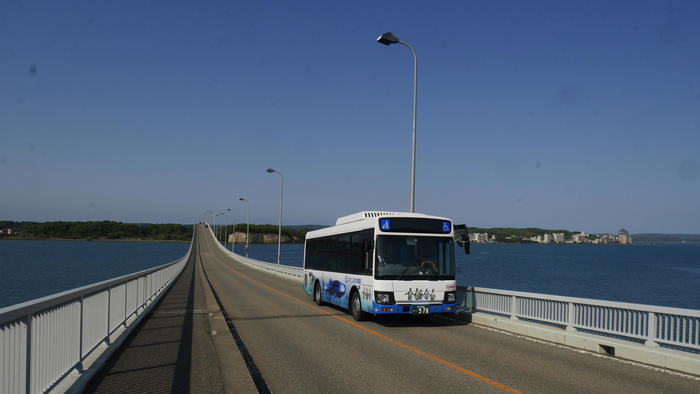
{"x": 384, "y": 297}
{"x": 449, "y": 297}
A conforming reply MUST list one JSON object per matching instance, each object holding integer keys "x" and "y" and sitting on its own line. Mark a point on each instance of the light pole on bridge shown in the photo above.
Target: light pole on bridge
{"x": 389, "y": 39}
{"x": 226, "y": 229}
{"x": 218, "y": 233}
{"x": 279, "y": 230}
{"x": 247, "y": 225}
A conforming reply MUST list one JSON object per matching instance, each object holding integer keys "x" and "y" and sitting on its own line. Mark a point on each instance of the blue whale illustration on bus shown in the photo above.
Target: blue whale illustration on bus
{"x": 335, "y": 289}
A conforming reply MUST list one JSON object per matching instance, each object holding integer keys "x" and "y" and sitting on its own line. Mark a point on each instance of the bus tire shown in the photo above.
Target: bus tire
{"x": 356, "y": 306}
{"x": 317, "y": 294}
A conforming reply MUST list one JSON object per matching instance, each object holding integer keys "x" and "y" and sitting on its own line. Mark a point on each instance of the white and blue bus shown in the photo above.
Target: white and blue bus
{"x": 383, "y": 263}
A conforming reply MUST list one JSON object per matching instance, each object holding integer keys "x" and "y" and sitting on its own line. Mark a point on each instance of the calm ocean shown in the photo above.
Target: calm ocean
{"x": 665, "y": 274}
{"x": 32, "y": 269}
{"x": 658, "y": 274}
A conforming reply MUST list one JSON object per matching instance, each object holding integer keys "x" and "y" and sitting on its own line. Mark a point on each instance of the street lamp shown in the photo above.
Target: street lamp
{"x": 210, "y": 212}
{"x": 218, "y": 232}
{"x": 213, "y": 229}
{"x": 389, "y": 39}
{"x": 279, "y": 231}
{"x": 226, "y": 229}
{"x": 247, "y": 225}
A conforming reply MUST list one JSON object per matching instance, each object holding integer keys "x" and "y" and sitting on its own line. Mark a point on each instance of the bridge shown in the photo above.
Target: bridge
{"x": 213, "y": 321}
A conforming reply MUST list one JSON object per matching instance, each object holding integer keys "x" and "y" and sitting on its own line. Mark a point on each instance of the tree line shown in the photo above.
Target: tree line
{"x": 99, "y": 230}
{"x": 118, "y": 230}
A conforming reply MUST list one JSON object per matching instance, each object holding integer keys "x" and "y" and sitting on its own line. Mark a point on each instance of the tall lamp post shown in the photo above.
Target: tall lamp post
{"x": 247, "y": 224}
{"x": 211, "y": 213}
{"x": 226, "y": 229}
{"x": 279, "y": 230}
{"x": 233, "y": 232}
{"x": 389, "y": 39}
{"x": 214, "y": 215}
{"x": 218, "y": 232}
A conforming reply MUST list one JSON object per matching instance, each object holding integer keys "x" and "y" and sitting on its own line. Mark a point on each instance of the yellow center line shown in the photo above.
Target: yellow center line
{"x": 382, "y": 336}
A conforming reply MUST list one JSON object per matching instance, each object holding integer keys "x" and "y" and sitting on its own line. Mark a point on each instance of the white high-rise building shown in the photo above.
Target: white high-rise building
{"x": 558, "y": 237}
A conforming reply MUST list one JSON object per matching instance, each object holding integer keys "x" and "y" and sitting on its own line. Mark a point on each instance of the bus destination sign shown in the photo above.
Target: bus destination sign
{"x": 415, "y": 225}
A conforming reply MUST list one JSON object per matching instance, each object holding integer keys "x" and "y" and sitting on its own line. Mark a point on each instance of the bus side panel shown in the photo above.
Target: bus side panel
{"x": 309, "y": 280}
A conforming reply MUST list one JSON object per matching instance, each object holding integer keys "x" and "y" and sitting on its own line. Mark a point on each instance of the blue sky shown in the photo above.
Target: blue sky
{"x": 578, "y": 115}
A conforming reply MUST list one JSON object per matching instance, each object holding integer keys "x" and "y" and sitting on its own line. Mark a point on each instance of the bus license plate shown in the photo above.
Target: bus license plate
{"x": 421, "y": 310}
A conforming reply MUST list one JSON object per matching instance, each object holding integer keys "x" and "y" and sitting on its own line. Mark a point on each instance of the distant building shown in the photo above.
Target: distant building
{"x": 558, "y": 237}
{"x": 580, "y": 238}
{"x": 624, "y": 237}
{"x": 481, "y": 237}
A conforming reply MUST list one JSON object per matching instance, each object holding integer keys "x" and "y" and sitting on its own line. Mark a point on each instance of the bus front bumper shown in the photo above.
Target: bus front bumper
{"x": 409, "y": 309}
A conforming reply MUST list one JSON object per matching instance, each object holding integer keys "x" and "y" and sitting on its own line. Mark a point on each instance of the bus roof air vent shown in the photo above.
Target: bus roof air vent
{"x": 362, "y": 216}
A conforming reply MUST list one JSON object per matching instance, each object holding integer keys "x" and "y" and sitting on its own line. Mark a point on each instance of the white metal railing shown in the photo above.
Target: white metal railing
{"x": 296, "y": 272}
{"x": 44, "y": 340}
{"x": 649, "y": 323}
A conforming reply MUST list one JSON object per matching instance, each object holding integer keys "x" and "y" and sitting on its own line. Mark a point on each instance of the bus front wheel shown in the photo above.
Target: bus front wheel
{"x": 317, "y": 294}
{"x": 356, "y": 307}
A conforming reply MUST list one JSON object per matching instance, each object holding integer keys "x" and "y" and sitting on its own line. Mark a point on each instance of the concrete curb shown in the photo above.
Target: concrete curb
{"x": 234, "y": 373}
{"x": 654, "y": 356}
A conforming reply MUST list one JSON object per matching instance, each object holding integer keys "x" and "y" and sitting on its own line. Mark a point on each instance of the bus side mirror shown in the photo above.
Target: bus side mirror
{"x": 462, "y": 237}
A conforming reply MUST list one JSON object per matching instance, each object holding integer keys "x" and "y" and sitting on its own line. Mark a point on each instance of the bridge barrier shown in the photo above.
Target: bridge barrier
{"x": 296, "y": 273}
{"x": 650, "y": 324}
{"x": 49, "y": 343}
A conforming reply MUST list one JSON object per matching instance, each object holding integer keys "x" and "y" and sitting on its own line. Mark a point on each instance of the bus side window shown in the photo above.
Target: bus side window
{"x": 367, "y": 251}
{"x": 355, "y": 256}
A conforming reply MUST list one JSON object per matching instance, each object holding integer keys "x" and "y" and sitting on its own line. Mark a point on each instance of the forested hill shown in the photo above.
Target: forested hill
{"x": 111, "y": 230}
{"x": 98, "y": 230}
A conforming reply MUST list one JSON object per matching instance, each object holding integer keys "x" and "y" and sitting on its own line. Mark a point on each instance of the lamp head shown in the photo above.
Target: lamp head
{"x": 388, "y": 39}
{"x": 270, "y": 170}
{"x": 242, "y": 199}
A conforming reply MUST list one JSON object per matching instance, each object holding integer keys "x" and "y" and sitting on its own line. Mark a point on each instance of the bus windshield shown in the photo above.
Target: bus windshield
{"x": 412, "y": 257}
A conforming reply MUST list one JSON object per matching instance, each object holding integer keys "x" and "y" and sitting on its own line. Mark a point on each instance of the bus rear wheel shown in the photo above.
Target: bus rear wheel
{"x": 317, "y": 294}
{"x": 356, "y": 307}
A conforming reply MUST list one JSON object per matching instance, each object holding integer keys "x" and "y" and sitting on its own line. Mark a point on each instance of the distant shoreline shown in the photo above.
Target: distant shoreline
{"x": 93, "y": 240}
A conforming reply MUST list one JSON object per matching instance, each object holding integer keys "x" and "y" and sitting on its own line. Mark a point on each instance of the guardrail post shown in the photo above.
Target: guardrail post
{"x": 470, "y": 299}
{"x": 28, "y": 367}
{"x": 126, "y": 297}
{"x": 651, "y": 330}
{"x": 571, "y": 316}
{"x": 80, "y": 340}
{"x": 513, "y": 308}
{"x": 109, "y": 304}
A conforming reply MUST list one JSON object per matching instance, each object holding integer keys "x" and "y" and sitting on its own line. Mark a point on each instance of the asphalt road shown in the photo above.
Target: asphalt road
{"x": 299, "y": 347}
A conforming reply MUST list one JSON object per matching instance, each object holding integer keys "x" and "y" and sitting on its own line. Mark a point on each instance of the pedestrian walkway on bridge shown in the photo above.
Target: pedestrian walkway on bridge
{"x": 174, "y": 349}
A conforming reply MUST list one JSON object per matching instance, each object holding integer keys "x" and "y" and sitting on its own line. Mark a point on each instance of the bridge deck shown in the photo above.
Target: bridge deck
{"x": 299, "y": 347}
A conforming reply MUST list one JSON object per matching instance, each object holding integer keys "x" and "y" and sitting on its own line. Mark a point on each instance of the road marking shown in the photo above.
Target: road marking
{"x": 382, "y": 336}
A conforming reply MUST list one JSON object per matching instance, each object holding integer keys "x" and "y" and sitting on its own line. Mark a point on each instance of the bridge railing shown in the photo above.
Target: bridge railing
{"x": 44, "y": 340}
{"x": 646, "y": 323}
{"x": 297, "y": 272}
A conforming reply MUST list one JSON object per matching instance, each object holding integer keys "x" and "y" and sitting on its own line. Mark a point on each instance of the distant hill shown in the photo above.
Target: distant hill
{"x": 657, "y": 237}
